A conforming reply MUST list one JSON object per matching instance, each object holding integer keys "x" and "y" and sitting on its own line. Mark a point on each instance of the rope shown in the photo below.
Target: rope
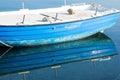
{"x": 5, "y": 52}
{"x": 6, "y": 44}
{"x": 10, "y": 47}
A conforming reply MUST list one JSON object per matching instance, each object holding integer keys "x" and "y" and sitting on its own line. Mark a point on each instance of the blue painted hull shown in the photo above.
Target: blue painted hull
{"x": 28, "y": 58}
{"x": 55, "y": 33}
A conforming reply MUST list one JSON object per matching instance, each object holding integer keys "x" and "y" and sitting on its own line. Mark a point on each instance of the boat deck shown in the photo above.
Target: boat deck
{"x": 53, "y": 15}
{"x": 32, "y": 19}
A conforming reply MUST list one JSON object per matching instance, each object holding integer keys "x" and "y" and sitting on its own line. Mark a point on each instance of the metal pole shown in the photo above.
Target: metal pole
{"x": 96, "y": 10}
{"x": 23, "y": 6}
{"x": 65, "y": 2}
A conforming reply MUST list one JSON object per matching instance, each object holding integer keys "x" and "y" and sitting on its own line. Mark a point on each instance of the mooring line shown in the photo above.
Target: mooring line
{"x": 6, "y": 44}
{"x": 10, "y": 47}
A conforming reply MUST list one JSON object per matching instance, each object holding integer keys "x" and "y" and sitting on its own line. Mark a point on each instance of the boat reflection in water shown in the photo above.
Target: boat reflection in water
{"x": 28, "y": 58}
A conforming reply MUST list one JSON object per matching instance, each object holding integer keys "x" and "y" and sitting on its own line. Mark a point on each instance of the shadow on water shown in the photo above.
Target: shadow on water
{"x": 97, "y": 47}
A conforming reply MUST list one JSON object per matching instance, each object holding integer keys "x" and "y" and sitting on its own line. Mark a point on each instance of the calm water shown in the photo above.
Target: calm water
{"x": 101, "y": 70}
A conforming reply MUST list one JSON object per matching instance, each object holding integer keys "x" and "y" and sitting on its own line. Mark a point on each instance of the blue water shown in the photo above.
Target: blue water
{"x": 104, "y": 70}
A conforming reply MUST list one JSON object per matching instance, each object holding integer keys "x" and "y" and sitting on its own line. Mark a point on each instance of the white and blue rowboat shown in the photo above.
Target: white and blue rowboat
{"x": 54, "y": 25}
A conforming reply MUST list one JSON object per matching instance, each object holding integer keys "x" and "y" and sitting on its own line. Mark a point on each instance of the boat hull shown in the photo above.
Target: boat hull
{"x": 55, "y": 33}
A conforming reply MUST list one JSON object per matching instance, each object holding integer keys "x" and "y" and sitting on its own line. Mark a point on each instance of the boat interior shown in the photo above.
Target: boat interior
{"x": 53, "y": 15}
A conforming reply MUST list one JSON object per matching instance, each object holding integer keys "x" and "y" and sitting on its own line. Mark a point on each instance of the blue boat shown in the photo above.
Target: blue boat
{"x": 54, "y": 25}
{"x": 96, "y": 47}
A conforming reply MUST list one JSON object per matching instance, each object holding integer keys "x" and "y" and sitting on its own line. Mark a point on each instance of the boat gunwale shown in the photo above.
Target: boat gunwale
{"x": 39, "y": 25}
